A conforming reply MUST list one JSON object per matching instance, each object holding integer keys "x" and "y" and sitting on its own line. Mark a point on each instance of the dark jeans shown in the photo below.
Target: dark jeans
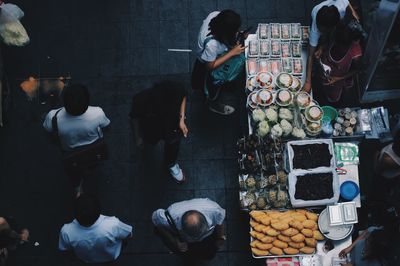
{"x": 204, "y": 250}
{"x": 171, "y": 149}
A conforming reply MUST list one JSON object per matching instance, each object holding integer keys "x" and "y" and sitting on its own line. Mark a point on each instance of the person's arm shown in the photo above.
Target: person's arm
{"x": 172, "y": 239}
{"x": 354, "y": 69}
{"x": 220, "y": 235}
{"x": 182, "y": 118}
{"x": 236, "y": 50}
{"x": 347, "y": 250}
{"x": 310, "y": 62}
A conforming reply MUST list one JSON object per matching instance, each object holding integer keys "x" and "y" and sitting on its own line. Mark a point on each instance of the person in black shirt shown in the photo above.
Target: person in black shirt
{"x": 158, "y": 114}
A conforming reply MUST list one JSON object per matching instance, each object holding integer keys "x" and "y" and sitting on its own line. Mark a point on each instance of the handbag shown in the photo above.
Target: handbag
{"x": 173, "y": 225}
{"x": 83, "y": 156}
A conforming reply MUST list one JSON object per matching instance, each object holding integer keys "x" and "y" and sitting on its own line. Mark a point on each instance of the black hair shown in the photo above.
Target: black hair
{"x": 396, "y": 143}
{"x": 87, "y": 210}
{"x": 344, "y": 36}
{"x": 76, "y": 99}
{"x": 225, "y": 26}
{"x": 8, "y": 238}
{"x": 328, "y": 17}
{"x": 194, "y": 229}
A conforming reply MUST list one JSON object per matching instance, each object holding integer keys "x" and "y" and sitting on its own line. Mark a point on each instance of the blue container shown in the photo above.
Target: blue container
{"x": 349, "y": 190}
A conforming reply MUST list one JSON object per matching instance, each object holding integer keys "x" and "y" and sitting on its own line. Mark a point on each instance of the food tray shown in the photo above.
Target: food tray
{"x": 307, "y": 142}
{"x": 280, "y": 256}
{"x": 296, "y": 203}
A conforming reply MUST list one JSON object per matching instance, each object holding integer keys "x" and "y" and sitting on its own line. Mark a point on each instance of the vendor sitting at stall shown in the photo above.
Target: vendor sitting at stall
{"x": 371, "y": 248}
{"x": 339, "y": 62}
{"x": 325, "y": 16}
{"x": 219, "y": 57}
{"x": 388, "y": 159}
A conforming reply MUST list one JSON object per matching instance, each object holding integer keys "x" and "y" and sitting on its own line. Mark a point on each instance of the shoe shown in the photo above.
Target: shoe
{"x": 177, "y": 173}
{"x": 222, "y": 109}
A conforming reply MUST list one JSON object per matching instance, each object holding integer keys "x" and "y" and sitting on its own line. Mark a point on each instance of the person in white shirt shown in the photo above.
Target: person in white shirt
{"x": 78, "y": 125}
{"x": 192, "y": 228}
{"x": 92, "y": 237}
{"x": 216, "y": 44}
{"x": 325, "y": 17}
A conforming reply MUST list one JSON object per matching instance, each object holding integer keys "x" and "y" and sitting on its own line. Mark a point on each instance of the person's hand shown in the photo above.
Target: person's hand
{"x": 318, "y": 53}
{"x": 24, "y": 235}
{"x": 344, "y": 252}
{"x": 219, "y": 243}
{"x": 181, "y": 246}
{"x": 333, "y": 80}
{"x": 237, "y": 49}
{"x": 307, "y": 86}
{"x": 183, "y": 127}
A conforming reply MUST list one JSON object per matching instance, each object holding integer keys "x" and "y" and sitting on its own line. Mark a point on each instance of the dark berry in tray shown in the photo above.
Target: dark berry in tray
{"x": 314, "y": 186}
{"x": 311, "y": 156}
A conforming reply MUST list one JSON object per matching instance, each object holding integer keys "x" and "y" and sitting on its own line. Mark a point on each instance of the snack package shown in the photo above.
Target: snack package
{"x": 296, "y": 49}
{"x": 263, "y": 31}
{"x": 287, "y": 65}
{"x": 285, "y": 31}
{"x": 286, "y": 49}
{"x": 263, "y": 65}
{"x": 275, "y": 66}
{"x": 264, "y": 48}
{"x": 253, "y": 48}
{"x": 275, "y": 30}
{"x": 297, "y": 66}
{"x": 275, "y": 48}
{"x": 305, "y": 34}
{"x": 295, "y": 31}
{"x": 252, "y": 67}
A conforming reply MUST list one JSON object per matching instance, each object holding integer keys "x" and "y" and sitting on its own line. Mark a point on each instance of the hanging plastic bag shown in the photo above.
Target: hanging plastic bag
{"x": 11, "y": 30}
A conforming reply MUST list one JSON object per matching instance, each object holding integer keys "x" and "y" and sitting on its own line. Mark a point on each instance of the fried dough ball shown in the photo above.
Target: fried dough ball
{"x": 290, "y": 232}
{"x": 257, "y": 235}
{"x": 265, "y": 220}
{"x": 253, "y": 243}
{"x": 284, "y": 238}
{"x": 297, "y": 245}
{"x": 311, "y": 242}
{"x": 253, "y": 223}
{"x": 259, "y": 252}
{"x": 312, "y": 216}
{"x": 275, "y": 214}
{"x": 307, "y": 232}
{"x": 260, "y": 228}
{"x": 301, "y": 211}
{"x": 300, "y": 217}
{"x": 298, "y": 238}
{"x": 280, "y": 244}
{"x": 268, "y": 239}
{"x": 276, "y": 251}
{"x": 307, "y": 250}
{"x": 291, "y": 251}
{"x": 280, "y": 226}
{"x": 263, "y": 246}
{"x": 309, "y": 224}
{"x": 296, "y": 224}
{"x": 317, "y": 235}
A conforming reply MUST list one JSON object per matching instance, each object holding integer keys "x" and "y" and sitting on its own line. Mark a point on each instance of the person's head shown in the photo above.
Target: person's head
{"x": 8, "y": 238}
{"x": 76, "y": 99}
{"x": 194, "y": 224}
{"x": 327, "y": 18}
{"x": 376, "y": 245}
{"x": 87, "y": 210}
{"x": 225, "y": 25}
{"x": 396, "y": 143}
{"x": 344, "y": 36}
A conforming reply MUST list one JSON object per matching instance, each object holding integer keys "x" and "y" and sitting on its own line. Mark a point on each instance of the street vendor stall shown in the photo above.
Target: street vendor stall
{"x": 300, "y": 190}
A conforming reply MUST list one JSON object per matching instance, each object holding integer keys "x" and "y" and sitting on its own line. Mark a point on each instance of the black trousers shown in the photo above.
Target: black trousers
{"x": 171, "y": 148}
{"x": 204, "y": 250}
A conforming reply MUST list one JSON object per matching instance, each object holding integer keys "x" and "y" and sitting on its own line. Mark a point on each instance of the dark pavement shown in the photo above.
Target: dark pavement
{"x": 118, "y": 48}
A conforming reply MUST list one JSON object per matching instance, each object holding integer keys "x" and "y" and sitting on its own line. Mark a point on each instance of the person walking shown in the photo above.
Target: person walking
{"x": 78, "y": 127}
{"x": 194, "y": 229}
{"x": 91, "y": 236}
{"x": 158, "y": 113}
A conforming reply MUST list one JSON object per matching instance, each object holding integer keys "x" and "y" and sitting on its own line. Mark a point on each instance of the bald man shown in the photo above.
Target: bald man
{"x": 191, "y": 228}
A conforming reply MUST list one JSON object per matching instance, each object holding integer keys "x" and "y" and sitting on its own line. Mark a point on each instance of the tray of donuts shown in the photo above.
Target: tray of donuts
{"x": 284, "y": 233}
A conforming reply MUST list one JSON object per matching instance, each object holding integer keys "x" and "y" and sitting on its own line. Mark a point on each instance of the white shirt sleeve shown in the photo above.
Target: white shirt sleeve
{"x": 218, "y": 214}
{"x": 210, "y": 52}
{"x": 158, "y": 218}
{"x": 314, "y": 32}
{"x": 47, "y": 124}
{"x": 103, "y": 120}
{"x": 121, "y": 230}
{"x": 63, "y": 242}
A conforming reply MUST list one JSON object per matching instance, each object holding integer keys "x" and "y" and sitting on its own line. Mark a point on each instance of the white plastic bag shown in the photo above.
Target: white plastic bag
{"x": 11, "y": 29}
